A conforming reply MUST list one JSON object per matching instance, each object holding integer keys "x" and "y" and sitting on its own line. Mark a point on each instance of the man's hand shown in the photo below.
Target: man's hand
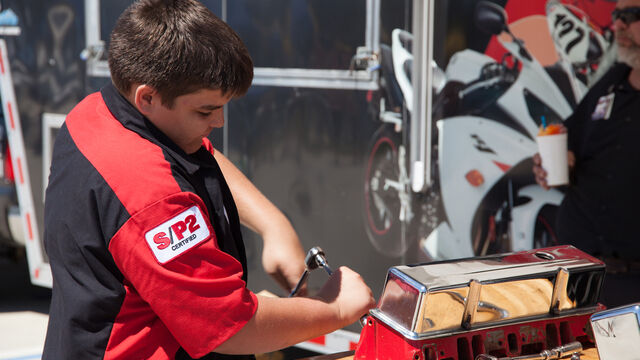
{"x": 541, "y": 174}
{"x": 348, "y": 294}
{"x": 281, "y": 322}
{"x": 283, "y": 257}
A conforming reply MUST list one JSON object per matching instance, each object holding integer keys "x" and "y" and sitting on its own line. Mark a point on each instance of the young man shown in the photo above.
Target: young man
{"x": 141, "y": 228}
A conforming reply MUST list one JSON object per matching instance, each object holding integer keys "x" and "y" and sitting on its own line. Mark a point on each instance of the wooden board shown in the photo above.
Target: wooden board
{"x": 588, "y": 354}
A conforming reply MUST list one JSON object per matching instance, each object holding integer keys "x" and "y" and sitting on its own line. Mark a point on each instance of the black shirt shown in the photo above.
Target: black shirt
{"x": 600, "y": 211}
{"x": 143, "y": 239}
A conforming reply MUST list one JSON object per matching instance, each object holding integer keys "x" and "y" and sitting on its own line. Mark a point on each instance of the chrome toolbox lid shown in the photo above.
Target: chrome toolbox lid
{"x": 425, "y": 300}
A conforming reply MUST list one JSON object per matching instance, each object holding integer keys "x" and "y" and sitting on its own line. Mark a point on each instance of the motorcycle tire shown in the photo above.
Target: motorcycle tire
{"x": 382, "y": 203}
{"x": 544, "y": 234}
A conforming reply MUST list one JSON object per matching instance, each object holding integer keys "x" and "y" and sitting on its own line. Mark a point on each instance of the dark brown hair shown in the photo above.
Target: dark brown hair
{"x": 177, "y": 47}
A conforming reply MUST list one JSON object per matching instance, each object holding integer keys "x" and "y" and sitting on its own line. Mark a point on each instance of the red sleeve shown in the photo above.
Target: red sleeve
{"x": 169, "y": 253}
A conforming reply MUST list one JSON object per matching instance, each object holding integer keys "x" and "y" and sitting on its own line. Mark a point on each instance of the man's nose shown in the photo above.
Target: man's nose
{"x": 218, "y": 116}
{"x": 619, "y": 25}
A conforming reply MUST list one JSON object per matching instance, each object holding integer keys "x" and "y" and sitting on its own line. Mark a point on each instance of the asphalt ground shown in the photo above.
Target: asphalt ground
{"x": 16, "y": 291}
{"x": 23, "y": 311}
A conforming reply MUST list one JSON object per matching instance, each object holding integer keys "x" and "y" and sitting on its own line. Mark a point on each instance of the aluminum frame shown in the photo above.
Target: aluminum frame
{"x": 263, "y": 76}
{"x": 422, "y": 80}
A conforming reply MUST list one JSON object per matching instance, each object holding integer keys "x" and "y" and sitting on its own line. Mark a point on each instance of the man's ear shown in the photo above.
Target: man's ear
{"x": 146, "y": 98}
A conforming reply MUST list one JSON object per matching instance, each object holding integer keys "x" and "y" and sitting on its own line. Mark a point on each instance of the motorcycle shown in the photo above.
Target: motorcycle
{"x": 484, "y": 198}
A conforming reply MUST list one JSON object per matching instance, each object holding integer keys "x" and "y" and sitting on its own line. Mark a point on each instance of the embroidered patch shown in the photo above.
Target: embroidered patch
{"x": 177, "y": 235}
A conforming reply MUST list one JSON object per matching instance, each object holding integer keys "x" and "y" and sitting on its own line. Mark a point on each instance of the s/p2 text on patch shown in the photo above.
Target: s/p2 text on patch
{"x": 177, "y": 235}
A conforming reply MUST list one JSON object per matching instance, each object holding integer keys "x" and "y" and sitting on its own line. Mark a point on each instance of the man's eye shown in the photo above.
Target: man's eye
{"x": 204, "y": 114}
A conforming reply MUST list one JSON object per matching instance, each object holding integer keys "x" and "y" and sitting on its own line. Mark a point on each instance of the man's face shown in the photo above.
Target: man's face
{"x": 192, "y": 117}
{"x": 628, "y": 34}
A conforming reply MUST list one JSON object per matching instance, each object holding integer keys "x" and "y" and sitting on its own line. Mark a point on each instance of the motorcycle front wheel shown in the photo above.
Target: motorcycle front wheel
{"x": 382, "y": 203}
{"x": 544, "y": 234}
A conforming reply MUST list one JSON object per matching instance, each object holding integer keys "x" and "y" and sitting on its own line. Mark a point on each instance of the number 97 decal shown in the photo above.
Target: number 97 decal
{"x": 570, "y": 33}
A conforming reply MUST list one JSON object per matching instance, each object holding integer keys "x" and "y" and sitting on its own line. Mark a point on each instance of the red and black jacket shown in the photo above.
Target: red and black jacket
{"x": 144, "y": 241}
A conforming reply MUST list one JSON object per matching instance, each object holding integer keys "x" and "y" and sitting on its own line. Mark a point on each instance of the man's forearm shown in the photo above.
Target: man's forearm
{"x": 254, "y": 209}
{"x": 282, "y": 322}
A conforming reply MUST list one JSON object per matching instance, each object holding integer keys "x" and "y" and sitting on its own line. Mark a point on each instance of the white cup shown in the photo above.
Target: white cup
{"x": 553, "y": 152}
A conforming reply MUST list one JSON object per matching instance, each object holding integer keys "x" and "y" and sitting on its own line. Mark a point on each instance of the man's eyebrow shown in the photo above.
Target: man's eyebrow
{"x": 210, "y": 107}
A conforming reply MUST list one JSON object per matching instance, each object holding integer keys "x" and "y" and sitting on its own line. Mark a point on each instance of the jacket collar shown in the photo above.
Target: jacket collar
{"x": 133, "y": 120}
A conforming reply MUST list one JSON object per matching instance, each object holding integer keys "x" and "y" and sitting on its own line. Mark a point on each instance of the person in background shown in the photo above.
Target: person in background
{"x": 142, "y": 214}
{"x": 599, "y": 213}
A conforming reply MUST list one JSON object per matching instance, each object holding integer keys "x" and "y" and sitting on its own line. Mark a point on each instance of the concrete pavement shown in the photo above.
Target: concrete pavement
{"x": 23, "y": 313}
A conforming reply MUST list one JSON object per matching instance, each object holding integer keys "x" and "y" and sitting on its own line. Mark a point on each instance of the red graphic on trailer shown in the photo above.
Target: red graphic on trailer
{"x": 528, "y": 22}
